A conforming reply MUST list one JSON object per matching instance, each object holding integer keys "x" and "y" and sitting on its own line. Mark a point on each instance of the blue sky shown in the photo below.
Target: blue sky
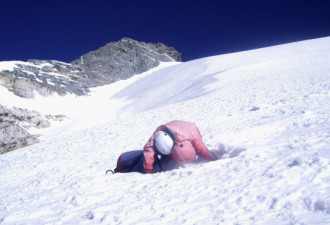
{"x": 64, "y": 30}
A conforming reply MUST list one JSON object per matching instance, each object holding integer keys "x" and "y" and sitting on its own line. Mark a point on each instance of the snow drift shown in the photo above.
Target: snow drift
{"x": 274, "y": 102}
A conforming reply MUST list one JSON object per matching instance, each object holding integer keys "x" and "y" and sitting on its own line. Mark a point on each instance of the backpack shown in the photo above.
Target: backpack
{"x": 132, "y": 161}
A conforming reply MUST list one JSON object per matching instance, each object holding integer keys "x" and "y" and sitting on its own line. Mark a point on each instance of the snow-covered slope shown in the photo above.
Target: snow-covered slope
{"x": 274, "y": 102}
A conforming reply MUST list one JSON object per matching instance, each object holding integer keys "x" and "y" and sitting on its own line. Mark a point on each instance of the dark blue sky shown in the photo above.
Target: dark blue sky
{"x": 66, "y": 29}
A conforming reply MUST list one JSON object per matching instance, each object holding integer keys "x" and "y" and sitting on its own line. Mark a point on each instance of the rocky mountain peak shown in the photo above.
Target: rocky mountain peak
{"x": 122, "y": 59}
{"x": 114, "y": 61}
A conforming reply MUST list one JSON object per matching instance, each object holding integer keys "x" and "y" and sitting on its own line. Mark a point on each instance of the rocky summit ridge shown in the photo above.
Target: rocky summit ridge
{"x": 112, "y": 62}
{"x": 120, "y": 60}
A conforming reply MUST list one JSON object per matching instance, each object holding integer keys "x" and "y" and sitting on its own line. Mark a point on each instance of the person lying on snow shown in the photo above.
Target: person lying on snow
{"x": 171, "y": 145}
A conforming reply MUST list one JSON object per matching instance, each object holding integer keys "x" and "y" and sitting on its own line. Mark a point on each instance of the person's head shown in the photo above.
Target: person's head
{"x": 164, "y": 142}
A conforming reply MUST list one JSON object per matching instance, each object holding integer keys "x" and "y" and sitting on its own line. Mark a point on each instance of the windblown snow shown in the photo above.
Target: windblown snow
{"x": 273, "y": 102}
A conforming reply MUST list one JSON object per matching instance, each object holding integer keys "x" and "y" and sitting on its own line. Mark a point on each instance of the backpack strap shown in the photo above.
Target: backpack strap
{"x": 111, "y": 171}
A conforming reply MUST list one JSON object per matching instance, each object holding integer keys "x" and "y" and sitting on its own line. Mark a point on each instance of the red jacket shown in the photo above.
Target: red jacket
{"x": 188, "y": 144}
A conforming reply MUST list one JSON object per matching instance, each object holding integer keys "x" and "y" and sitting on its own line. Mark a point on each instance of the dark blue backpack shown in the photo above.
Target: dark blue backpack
{"x": 132, "y": 161}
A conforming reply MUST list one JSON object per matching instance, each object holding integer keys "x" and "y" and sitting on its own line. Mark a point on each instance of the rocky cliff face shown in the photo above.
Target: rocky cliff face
{"x": 121, "y": 60}
{"x": 44, "y": 77}
{"x": 112, "y": 62}
{"x": 15, "y": 124}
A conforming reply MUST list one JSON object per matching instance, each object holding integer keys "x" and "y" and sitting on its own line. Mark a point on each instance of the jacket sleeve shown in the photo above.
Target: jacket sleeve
{"x": 201, "y": 149}
{"x": 149, "y": 152}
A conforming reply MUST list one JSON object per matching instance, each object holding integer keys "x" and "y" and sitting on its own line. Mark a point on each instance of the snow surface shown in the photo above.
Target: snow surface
{"x": 273, "y": 102}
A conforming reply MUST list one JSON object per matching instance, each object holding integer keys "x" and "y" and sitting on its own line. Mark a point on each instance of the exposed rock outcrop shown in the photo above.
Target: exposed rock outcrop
{"x": 44, "y": 77}
{"x": 122, "y": 59}
{"x": 15, "y": 124}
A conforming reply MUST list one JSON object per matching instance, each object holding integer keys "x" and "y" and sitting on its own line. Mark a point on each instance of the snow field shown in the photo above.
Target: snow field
{"x": 270, "y": 107}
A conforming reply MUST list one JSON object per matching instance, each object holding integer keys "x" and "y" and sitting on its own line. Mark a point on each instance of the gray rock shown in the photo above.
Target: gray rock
{"x": 122, "y": 59}
{"x": 24, "y": 80}
{"x": 15, "y": 124}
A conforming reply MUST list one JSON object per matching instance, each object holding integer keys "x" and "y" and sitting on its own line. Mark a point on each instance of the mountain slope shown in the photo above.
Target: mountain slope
{"x": 273, "y": 102}
{"x": 28, "y": 80}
